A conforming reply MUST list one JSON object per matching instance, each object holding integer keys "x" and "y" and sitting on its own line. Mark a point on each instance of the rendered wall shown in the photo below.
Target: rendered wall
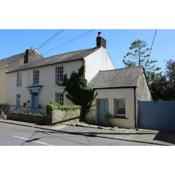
{"x": 3, "y": 86}
{"x": 111, "y": 94}
{"x": 99, "y": 60}
{"x": 143, "y": 92}
{"x": 47, "y": 80}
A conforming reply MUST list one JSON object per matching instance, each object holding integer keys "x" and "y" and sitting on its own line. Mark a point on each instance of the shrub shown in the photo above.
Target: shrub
{"x": 52, "y": 105}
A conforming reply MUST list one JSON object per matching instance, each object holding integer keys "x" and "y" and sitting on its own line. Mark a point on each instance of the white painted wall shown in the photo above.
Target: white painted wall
{"x": 47, "y": 80}
{"x": 98, "y": 60}
{"x": 111, "y": 94}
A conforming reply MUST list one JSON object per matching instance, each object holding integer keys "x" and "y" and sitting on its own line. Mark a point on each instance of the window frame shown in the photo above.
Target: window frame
{"x": 36, "y": 72}
{"x": 59, "y": 100}
{"x": 116, "y": 114}
{"x": 19, "y": 79}
{"x": 59, "y": 74}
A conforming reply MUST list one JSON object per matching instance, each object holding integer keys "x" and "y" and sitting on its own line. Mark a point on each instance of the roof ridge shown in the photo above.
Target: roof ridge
{"x": 121, "y": 68}
{"x": 70, "y": 52}
{"x": 12, "y": 56}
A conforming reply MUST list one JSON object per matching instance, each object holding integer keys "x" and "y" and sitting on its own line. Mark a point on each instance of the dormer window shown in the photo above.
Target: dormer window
{"x": 59, "y": 75}
{"x": 36, "y": 76}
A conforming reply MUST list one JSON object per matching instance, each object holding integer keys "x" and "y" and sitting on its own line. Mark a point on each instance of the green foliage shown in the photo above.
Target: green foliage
{"x": 52, "y": 105}
{"x": 78, "y": 91}
{"x": 163, "y": 88}
{"x": 139, "y": 56}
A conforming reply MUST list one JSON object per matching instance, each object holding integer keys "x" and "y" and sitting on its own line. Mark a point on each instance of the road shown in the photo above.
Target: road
{"x": 15, "y": 135}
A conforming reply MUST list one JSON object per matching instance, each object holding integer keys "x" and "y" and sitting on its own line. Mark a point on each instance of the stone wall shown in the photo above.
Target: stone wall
{"x": 66, "y": 116}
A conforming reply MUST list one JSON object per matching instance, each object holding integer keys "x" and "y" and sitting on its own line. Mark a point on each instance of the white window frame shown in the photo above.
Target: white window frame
{"x": 59, "y": 98}
{"x": 36, "y": 77}
{"x": 117, "y": 114}
{"x": 59, "y": 73}
{"x": 19, "y": 79}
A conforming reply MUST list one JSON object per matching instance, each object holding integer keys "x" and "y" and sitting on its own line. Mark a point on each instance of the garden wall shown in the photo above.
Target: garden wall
{"x": 31, "y": 118}
{"x": 66, "y": 116}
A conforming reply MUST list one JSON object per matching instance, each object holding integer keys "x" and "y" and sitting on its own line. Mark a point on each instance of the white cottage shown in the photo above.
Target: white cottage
{"x": 119, "y": 91}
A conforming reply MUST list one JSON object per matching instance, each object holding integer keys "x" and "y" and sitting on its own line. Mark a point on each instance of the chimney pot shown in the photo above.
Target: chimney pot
{"x": 99, "y": 33}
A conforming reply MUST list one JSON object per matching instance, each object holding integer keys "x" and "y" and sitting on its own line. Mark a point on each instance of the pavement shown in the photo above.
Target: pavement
{"x": 28, "y": 134}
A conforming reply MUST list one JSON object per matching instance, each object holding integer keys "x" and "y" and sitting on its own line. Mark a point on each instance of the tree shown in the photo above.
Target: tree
{"x": 139, "y": 56}
{"x": 170, "y": 76}
{"x": 79, "y": 92}
{"x": 164, "y": 88}
{"x": 170, "y": 71}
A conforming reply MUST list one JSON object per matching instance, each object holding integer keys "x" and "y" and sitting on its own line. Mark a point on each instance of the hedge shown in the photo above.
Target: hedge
{"x": 31, "y": 118}
{"x": 52, "y": 105}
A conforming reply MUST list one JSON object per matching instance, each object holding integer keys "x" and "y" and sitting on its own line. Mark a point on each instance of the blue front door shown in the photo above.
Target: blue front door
{"x": 102, "y": 111}
{"x": 34, "y": 100}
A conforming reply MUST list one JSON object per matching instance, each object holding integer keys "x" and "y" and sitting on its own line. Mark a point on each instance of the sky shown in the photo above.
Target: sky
{"x": 118, "y": 42}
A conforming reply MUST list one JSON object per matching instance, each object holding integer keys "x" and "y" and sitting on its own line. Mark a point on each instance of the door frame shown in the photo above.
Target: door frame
{"x": 97, "y": 108}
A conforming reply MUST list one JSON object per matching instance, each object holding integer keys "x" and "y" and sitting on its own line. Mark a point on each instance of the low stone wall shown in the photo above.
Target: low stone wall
{"x": 38, "y": 119}
{"x": 66, "y": 116}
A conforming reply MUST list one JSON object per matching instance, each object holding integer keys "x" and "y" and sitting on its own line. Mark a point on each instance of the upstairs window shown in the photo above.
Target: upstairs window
{"x": 36, "y": 76}
{"x": 59, "y": 98}
{"x": 19, "y": 79}
{"x": 59, "y": 75}
{"x": 119, "y": 108}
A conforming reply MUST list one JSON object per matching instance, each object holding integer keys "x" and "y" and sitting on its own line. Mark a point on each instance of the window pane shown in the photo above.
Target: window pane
{"x": 19, "y": 79}
{"x": 59, "y": 74}
{"x": 119, "y": 107}
{"x": 59, "y": 98}
{"x": 36, "y": 75}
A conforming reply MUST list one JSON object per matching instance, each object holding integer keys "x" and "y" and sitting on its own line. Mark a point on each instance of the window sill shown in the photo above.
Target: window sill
{"x": 120, "y": 117}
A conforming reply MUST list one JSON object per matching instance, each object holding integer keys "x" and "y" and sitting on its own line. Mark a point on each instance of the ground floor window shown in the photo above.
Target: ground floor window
{"x": 18, "y": 99}
{"x": 119, "y": 108}
{"x": 59, "y": 98}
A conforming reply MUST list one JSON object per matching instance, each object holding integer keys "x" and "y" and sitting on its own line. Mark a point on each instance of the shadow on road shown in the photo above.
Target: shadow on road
{"x": 168, "y": 137}
{"x": 103, "y": 135}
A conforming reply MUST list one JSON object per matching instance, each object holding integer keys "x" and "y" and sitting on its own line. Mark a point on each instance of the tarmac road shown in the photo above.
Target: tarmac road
{"x": 15, "y": 135}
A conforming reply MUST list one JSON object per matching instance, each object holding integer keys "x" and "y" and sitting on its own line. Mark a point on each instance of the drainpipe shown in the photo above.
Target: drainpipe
{"x": 135, "y": 110}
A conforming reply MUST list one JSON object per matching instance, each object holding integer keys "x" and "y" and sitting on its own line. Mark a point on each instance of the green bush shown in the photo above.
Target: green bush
{"x": 52, "y": 105}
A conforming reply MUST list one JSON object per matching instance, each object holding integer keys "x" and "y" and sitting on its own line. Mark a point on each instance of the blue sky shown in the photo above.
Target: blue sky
{"x": 118, "y": 41}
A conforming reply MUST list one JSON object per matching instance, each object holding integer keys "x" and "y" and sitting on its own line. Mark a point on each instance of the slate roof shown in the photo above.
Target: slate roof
{"x": 65, "y": 57}
{"x": 116, "y": 78}
{"x": 11, "y": 60}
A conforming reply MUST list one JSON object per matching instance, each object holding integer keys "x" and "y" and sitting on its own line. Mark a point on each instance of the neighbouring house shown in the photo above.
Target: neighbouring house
{"x": 13, "y": 62}
{"x": 118, "y": 93}
{"x": 39, "y": 81}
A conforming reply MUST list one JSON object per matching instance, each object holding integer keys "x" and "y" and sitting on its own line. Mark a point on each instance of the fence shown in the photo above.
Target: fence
{"x": 158, "y": 115}
{"x": 8, "y": 109}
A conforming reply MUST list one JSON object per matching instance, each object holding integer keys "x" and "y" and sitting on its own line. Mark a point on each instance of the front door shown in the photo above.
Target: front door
{"x": 34, "y": 100}
{"x": 102, "y": 111}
